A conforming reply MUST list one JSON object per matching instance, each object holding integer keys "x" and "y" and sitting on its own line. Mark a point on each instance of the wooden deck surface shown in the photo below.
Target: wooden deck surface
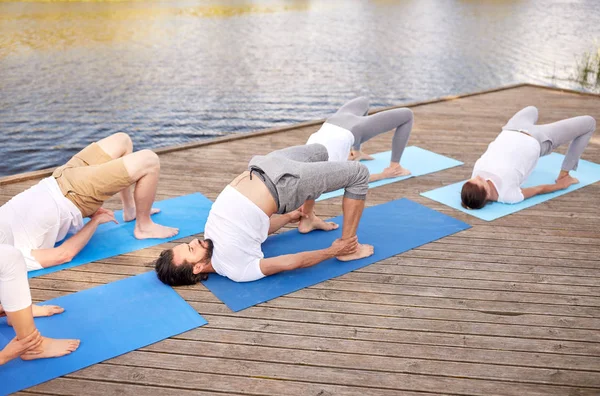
{"x": 509, "y": 307}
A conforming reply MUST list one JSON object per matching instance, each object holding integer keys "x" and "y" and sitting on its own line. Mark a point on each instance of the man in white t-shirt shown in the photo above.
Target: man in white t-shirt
{"x": 510, "y": 159}
{"x": 36, "y": 219}
{"x": 259, "y": 202}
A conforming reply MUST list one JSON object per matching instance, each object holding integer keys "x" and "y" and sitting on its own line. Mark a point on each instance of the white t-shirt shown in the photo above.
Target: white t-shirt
{"x": 237, "y": 228}
{"x": 337, "y": 140}
{"x": 39, "y": 217}
{"x": 508, "y": 162}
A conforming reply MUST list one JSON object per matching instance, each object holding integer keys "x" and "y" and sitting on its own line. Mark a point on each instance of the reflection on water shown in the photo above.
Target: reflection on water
{"x": 171, "y": 72}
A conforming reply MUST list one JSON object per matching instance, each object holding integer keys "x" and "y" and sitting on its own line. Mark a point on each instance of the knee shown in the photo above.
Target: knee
{"x": 150, "y": 160}
{"x": 124, "y": 141}
{"x": 13, "y": 262}
{"x": 408, "y": 114}
{"x": 319, "y": 154}
{"x": 532, "y": 109}
{"x": 591, "y": 123}
{"x": 359, "y": 187}
{"x": 362, "y": 174}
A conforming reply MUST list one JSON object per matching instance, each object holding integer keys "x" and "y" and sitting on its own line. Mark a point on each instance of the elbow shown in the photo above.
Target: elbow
{"x": 65, "y": 256}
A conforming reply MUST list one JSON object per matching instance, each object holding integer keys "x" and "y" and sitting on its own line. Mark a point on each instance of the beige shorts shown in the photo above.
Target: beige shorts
{"x": 91, "y": 177}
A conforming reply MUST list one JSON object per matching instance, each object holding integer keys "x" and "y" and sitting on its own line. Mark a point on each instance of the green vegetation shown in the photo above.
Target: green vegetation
{"x": 587, "y": 70}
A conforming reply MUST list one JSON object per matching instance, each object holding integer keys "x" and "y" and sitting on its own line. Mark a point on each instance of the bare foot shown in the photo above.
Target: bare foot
{"x": 46, "y": 310}
{"x": 395, "y": 170}
{"x": 42, "y": 310}
{"x": 362, "y": 252}
{"x": 129, "y": 213}
{"x": 566, "y": 181}
{"x": 51, "y": 347}
{"x": 359, "y": 156}
{"x": 313, "y": 222}
{"x": 154, "y": 230}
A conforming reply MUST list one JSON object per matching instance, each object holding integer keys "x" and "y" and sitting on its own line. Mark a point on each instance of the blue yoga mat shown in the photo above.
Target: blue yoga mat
{"x": 392, "y": 228}
{"x": 188, "y": 213}
{"x": 545, "y": 173}
{"x": 110, "y": 320}
{"x": 419, "y": 161}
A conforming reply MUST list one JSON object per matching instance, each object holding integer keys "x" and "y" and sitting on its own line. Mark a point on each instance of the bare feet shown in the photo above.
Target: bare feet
{"x": 41, "y": 310}
{"x": 566, "y": 181}
{"x": 153, "y": 230}
{"x": 359, "y": 155}
{"x": 362, "y": 252}
{"x": 129, "y": 213}
{"x": 395, "y": 170}
{"x": 312, "y": 222}
{"x": 46, "y": 310}
{"x": 51, "y": 347}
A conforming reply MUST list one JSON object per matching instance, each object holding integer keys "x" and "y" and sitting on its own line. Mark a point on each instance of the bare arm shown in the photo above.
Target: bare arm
{"x": 289, "y": 262}
{"x": 278, "y": 221}
{"x": 65, "y": 252}
{"x": 561, "y": 184}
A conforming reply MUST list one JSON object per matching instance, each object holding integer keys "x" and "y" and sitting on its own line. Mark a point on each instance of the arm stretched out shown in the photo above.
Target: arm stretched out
{"x": 289, "y": 262}
{"x": 65, "y": 252}
{"x": 560, "y": 184}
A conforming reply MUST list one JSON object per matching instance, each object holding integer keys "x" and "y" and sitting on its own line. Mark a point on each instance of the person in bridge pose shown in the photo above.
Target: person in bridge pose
{"x": 277, "y": 189}
{"x": 46, "y": 213}
{"x": 512, "y": 156}
{"x": 344, "y": 132}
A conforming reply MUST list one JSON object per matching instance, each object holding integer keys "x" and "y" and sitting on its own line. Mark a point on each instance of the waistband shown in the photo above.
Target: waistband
{"x": 268, "y": 182}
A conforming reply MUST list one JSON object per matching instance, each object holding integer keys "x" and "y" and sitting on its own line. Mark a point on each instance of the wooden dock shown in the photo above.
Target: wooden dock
{"x": 509, "y": 307}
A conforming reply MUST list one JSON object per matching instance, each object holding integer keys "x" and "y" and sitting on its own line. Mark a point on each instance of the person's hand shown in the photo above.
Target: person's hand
{"x": 344, "y": 247}
{"x": 16, "y": 348}
{"x": 297, "y": 215}
{"x": 104, "y": 216}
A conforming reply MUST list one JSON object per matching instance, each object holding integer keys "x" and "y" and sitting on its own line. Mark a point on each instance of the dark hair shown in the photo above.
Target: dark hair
{"x": 473, "y": 196}
{"x": 182, "y": 274}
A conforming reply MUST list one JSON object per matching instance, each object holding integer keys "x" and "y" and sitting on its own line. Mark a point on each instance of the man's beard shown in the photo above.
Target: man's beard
{"x": 209, "y": 250}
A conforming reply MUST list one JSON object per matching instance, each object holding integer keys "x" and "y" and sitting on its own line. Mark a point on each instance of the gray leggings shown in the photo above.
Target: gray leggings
{"x": 576, "y": 130}
{"x": 300, "y": 173}
{"x": 353, "y": 117}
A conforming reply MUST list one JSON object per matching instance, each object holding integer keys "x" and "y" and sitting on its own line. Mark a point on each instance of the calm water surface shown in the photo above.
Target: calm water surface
{"x": 176, "y": 71}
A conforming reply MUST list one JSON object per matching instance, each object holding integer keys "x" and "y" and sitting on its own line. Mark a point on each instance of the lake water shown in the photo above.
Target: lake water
{"x": 177, "y": 71}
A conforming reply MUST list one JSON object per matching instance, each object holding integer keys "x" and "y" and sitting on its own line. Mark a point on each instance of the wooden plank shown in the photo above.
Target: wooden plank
{"x": 506, "y": 307}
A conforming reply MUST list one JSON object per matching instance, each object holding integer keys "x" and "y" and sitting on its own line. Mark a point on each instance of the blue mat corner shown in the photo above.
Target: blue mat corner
{"x": 110, "y": 320}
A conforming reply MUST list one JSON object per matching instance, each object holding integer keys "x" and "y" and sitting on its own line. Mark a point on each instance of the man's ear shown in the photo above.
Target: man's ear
{"x": 200, "y": 267}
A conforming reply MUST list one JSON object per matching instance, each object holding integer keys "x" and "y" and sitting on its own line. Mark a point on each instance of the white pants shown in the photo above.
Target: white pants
{"x": 14, "y": 286}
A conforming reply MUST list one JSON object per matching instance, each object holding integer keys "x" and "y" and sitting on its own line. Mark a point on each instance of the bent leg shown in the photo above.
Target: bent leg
{"x": 117, "y": 146}
{"x": 577, "y": 130}
{"x": 143, "y": 168}
{"x": 303, "y": 153}
{"x": 350, "y": 113}
{"x": 399, "y": 119}
{"x": 357, "y": 106}
{"x": 16, "y": 300}
{"x": 523, "y": 119}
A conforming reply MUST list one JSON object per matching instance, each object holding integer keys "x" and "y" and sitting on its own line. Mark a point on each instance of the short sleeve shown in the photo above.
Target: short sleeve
{"x": 250, "y": 273}
{"x": 32, "y": 264}
{"x": 512, "y": 195}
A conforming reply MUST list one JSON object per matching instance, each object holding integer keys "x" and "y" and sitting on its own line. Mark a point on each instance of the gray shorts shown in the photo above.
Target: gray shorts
{"x": 301, "y": 173}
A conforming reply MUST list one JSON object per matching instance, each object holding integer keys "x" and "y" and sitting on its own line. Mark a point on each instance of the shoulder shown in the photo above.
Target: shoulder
{"x": 511, "y": 194}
